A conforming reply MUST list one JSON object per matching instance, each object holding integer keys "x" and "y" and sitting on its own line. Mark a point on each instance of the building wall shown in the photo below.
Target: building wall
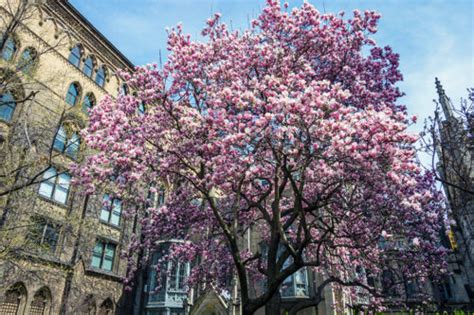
{"x": 64, "y": 277}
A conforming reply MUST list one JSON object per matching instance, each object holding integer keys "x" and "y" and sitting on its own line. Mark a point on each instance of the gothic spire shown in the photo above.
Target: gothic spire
{"x": 444, "y": 101}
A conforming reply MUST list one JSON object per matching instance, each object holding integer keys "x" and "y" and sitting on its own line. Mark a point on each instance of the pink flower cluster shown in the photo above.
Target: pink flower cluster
{"x": 287, "y": 132}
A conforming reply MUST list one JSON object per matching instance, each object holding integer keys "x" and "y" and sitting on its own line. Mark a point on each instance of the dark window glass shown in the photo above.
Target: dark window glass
{"x": 88, "y": 66}
{"x": 9, "y": 49}
{"x": 100, "y": 76}
{"x": 7, "y": 106}
{"x": 27, "y": 60}
{"x": 123, "y": 89}
{"x": 72, "y": 94}
{"x": 44, "y": 233}
{"x": 75, "y": 56}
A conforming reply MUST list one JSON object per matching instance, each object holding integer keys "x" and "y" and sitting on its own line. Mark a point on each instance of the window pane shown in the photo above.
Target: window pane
{"x": 108, "y": 257}
{"x": 97, "y": 254}
{"x": 75, "y": 56}
{"x": 73, "y": 146}
{"x": 181, "y": 276}
{"x": 60, "y": 140}
{"x": 88, "y": 103}
{"x": 72, "y": 94}
{"x": 88, "y": 66}
{"x": 100, "y": 76}
{"x": 141, "y": 108}
{"x": 9, "y": 49}
{"x": 47, "y": 186}
{"x": 107, "y": 264}
{"x": 105, "y": 214}
{"x": 7, "y": 106}
{"x": 36, "y": 229}
{"x": 116, "y": 212}
{"x": 106, "y": 208}
{"x": 60, "y": 195}
{"x": 27, "y": 60}
{"x": 64, "y": 180}
{"x": 51, "y": 237}
{"x": 172, "y": 277}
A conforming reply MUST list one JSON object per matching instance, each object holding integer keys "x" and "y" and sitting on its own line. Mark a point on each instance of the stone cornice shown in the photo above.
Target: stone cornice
{"x": 87, "y": 34}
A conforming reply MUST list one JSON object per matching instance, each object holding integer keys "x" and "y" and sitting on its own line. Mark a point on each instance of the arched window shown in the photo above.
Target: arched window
{"x": 106, "y": 308}
{"x": 9, "y": 49}
{"x": 75, "y": 55}
{"x": 7, "y": 106}
{"x": 88, "y": 67}
{"x": 27, "y": 60}
{"x": 72, "y": 95}
{"x": 41, "y": 302}
{"x": 100, "y": 76}
{"x": 123, "y": 89}
{"x": 14, "y": 300}
{"x": 64, "y": 144}
{"x": 88, "y": 103}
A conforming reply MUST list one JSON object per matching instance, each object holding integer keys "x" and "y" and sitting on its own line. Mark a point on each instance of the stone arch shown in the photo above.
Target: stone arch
{"x": 88, "y": 306}
{"x": 41, "y": 303}
{"x": 209, "y": 303}
{"x": 107, "y": 307}
{"x": 14, "y": 299}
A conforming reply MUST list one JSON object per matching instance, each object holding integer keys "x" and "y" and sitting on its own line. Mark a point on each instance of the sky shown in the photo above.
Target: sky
{"x": 435, "y": 38}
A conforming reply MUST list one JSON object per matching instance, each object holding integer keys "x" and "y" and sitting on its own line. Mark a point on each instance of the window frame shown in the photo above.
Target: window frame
{"x": 77, "y": 87}
{"x": 8, "y": 105}
{"x": 109, "y": 210}
{"x": 104, "y": 244}
{"x": 88, "y": 66}
{"x": 45, "y": 225}
{"x": 13, "y": 51}
{"x": 29, "y": 65}
{"x": 54, "y": 184}
{"x": 77, "y": 57}
{"x": 91, "y": 101}
{"x": 102, "y": 77}
{"x": 65, "y": 143}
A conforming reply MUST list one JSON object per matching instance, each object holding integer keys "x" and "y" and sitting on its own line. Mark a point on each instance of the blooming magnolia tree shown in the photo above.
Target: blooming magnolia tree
{"x": 287, "y": 132}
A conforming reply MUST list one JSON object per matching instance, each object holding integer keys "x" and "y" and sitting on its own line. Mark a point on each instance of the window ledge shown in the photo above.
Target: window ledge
{"x": 54, "y": 202}
{"x": 104, "y": 273}
{"x": 113, "y": 226}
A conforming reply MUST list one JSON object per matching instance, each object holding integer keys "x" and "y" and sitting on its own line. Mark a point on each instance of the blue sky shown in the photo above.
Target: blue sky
{"x": 433, "y": 37}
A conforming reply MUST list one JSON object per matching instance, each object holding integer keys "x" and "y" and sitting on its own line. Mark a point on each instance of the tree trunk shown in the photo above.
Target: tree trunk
{"x": 273, "y": 306}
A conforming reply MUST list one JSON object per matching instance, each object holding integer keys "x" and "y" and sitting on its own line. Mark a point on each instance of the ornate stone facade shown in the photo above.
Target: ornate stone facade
{"x": 59, "y": 250}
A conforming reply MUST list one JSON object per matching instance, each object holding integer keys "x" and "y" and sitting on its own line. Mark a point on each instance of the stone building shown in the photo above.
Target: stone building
{"x": 455, "y": 150}
{"x": 59, "y": 250}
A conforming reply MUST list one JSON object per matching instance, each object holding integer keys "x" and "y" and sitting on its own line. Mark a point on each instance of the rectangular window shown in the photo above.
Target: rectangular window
{"x": 111, "y": 210}
{"x": 55, "y": 186}
{"x": 177, "y": 276}
{"x": 45, "y": 234}
{"x": 103, "y": 255}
